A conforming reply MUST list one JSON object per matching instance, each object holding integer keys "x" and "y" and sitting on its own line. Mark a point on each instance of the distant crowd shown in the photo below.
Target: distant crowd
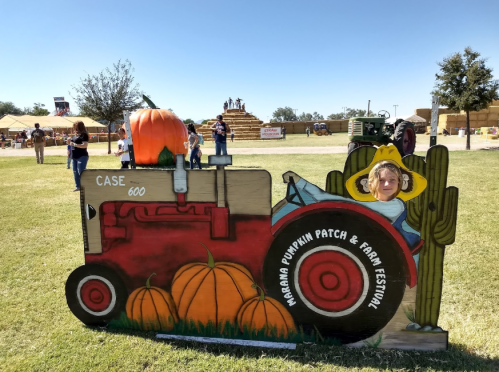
{"x": 229, "y": 104}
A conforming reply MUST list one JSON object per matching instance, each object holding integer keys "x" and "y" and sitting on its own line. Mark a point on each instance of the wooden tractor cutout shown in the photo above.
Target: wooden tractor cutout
{"x": 204, "y": 253}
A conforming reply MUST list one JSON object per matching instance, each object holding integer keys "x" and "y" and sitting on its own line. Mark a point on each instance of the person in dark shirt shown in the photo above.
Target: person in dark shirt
{"x": 79, "y": 153}
{"x": 220, "y": 129}
{"x": 38, "y": 137}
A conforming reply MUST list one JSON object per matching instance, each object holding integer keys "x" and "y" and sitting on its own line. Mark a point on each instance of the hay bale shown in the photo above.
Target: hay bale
{"x": 494, "y": 103}
{"x": 299, "y": 128}
{"x": 344, "y": 126}
{"x": 492, "y": 123}
{"x": 445, "y": 118}
{"x": 494, "y": 110}
{"x": 493, "y": 116}
{"x": 333, "y": 127}
{"x": 424, "y": 113}
{"x": 482, "y": 116}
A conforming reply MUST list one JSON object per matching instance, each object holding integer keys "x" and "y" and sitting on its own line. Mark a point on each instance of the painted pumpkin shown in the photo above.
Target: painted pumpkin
{"x": 211, "y": 292}
{"x": 152, "y": 307}
{"x": 153, "y": 130}
{"x": 265, "y": 313}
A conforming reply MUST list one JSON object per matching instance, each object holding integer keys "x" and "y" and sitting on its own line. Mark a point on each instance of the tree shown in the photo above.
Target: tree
{"x": 9, "y": 108}
{"x": 107, "y": 95}
{"x": 37, "y": 110}
{"x": 308, "y": 117}
{"x": 351, "y": 113}
{"x": 284, "y": 114}
{"x": 317, "y": 116}
{"x": 338, "y": 116}
{"x": 188, "y": 121}
{"x": 305, "y": 117}
{"x": 465, "y": 83}
{"x": 205, "y": 121}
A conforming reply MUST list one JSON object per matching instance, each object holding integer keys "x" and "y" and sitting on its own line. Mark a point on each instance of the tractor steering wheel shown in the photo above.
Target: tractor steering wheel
{"x": 381, "y": 114}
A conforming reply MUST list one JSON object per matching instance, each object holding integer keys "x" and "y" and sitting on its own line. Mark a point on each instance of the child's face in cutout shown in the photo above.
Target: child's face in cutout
{"x": 121, "y": 134}
{"x": 388, "y": 185}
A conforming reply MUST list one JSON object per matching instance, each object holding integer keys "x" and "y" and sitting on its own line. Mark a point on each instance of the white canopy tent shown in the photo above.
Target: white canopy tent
{"x": 25, "y": 122}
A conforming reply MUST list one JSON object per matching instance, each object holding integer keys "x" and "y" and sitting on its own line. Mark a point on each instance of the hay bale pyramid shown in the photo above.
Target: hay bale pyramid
{"x": 246, "y": 125}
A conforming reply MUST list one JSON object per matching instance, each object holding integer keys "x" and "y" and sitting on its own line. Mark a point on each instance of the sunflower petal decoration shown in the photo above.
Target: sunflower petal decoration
{"x": 413, "y": 183}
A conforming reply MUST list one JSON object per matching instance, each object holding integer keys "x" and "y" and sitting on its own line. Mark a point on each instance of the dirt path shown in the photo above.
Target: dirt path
{"x": 245, "y": 151}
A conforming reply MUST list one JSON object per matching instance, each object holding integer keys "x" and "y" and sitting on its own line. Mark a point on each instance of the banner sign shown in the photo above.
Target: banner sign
{"x": 269, "y": 133}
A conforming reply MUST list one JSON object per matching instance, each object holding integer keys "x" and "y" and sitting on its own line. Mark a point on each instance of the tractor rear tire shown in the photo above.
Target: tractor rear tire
{"x": 319, "y": 133}
{"x": 352, "y": 146}
{"x": 405, "y": 138}
{"x": 330, "y": 282}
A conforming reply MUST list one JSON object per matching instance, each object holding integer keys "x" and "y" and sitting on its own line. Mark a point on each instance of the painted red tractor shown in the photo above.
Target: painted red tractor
{"x": 335, "y": 265}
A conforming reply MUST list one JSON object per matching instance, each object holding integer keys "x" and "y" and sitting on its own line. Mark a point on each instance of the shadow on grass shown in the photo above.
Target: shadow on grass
{"x": 457, "y": 358}
{"x": 203, "y": 165}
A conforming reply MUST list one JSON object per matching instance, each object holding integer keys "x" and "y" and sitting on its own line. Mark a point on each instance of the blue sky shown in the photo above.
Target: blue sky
{"x": 192, "y": 55}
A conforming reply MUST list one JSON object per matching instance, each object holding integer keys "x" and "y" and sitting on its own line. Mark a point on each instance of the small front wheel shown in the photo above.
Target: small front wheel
{"x": 95, "y": 294}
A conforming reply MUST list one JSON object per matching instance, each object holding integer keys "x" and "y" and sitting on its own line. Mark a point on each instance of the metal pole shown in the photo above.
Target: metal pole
{"x": 126, "y": 116}
{"x": 434, "y": 120}
{"x": 344, "y": 112}
{"x": 368, "y": 106}
{"x": 395, "y": 110}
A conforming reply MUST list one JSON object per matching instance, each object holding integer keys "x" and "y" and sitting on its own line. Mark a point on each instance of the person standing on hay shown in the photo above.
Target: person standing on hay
{"x": 38, "y": 137}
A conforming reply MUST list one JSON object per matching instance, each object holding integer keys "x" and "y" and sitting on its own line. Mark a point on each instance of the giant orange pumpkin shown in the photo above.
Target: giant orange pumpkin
{"x": 211, "y": 292}
{"x": 152, "y": 308}
{"x": 265, "y": 313}
{"x": 153, "y": 130}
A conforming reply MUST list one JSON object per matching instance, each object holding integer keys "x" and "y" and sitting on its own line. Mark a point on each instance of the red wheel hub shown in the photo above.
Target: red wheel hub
{"x": 330, "y": 280}
{"x": 409, "y": 141}
{"x": 96, "y": 295}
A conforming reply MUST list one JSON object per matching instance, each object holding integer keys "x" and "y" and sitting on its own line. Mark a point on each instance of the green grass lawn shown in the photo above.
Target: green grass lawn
{"x": 40, "y": 231}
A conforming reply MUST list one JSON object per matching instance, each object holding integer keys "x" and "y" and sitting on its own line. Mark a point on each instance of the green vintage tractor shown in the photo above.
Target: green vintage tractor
{"x": 375, "y": 131}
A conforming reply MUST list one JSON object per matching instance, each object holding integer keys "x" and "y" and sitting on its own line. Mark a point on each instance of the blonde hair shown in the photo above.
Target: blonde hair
{"x": 373, "y": 182}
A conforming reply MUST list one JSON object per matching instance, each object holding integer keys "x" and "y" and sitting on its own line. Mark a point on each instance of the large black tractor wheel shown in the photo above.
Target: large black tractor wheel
{"x": 405, "y": 138}
{"x": 338, "y": 271}
{"x": 95, "y": 294}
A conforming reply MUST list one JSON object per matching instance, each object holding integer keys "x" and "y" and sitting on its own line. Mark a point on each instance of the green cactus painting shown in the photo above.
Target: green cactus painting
{"x": 358, "y": 160}
{"x": 437, "y": 218}
{"x": 433, "y": 213}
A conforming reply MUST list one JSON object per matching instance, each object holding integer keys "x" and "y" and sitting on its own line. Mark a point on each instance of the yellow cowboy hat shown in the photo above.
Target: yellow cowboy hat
{"x": 413, "y": 183}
